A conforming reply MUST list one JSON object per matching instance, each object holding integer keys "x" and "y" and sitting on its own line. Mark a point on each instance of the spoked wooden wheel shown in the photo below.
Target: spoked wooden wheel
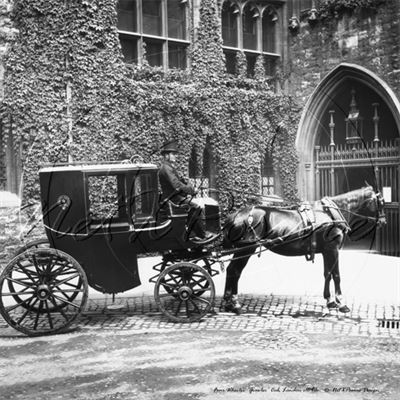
{"x": 42, "y": 291}
{"x": 204, "y": 263}
{"x": 35, "y": 244}
{"x": 179, "y": 290}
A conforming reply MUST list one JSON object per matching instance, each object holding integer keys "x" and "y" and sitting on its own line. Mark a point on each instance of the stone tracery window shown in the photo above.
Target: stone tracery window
{"x": 252, "y": 27}
{"x": 160, "y": 25}
{"x": 204, "y": 177}
{"x": 268, "y": 184}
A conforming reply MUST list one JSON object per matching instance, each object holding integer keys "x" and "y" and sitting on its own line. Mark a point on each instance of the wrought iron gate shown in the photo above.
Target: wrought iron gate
{"x": 379, "y": 159}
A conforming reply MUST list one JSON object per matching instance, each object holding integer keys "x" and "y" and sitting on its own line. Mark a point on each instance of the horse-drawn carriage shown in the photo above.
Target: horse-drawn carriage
{"x": 98, "y": 218}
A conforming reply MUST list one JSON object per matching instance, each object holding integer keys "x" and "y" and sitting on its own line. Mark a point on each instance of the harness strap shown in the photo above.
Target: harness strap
{"x": 334, "y": 212}
{"x": 250, "y": 220}
{"x": 309, "y": 222}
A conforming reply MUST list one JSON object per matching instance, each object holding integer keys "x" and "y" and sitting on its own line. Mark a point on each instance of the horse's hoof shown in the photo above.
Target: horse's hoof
{"x": 332, "y": 305}
{"x": 344, "y": 309}
{"x": 231, "y": 308}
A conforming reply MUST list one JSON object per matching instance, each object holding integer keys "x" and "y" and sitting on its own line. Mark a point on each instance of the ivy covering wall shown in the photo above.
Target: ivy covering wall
{"x": 336, "y": 8}
{"x": 115, "y": 108}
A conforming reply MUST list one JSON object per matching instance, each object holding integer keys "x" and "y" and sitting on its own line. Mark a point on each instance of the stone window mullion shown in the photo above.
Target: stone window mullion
{"x": 139, "y": 21}
{"x": 239, "y": 24}
{"x": 164, "y": 32}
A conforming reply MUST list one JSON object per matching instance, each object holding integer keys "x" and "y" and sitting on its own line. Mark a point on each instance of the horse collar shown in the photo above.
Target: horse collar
{"x": 334, "y": 213}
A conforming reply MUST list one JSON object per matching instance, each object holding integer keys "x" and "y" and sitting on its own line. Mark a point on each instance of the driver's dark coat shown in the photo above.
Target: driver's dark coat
{"x": 173, "y": 186}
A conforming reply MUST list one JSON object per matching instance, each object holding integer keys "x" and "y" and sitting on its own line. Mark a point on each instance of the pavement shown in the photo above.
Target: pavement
{"x": 285, "y": 345}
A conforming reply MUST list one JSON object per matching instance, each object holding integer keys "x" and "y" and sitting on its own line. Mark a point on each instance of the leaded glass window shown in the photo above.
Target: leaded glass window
{"x": 157, "y": 28}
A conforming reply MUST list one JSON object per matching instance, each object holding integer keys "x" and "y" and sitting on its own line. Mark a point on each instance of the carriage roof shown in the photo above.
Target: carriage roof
{"x": 106, "y": 167}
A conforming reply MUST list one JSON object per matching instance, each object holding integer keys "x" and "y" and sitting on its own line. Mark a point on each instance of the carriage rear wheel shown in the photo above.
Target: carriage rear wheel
{"x": 36, "y": 244}
{"x": 179, "y": 289}
{"x": 42, "y": 291}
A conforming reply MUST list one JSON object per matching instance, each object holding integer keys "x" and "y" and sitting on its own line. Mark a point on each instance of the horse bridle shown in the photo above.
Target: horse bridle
{"x": 380, "y": 203}
{"x": 380, "y": 218}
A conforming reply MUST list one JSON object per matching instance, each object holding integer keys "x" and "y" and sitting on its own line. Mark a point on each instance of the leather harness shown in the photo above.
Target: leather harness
{"x": 310, "y": 226}
{"x": 309, "y": 222}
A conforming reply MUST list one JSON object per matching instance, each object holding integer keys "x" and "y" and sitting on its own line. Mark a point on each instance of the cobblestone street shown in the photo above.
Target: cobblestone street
{"x": 281, "y": 347}
{"x": 292, "y": 314}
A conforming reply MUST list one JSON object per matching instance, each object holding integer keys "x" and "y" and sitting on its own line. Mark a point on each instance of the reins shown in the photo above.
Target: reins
{"x": 375, "y": 219}
{"x": 264, "y": 244}
{"x": 268, "y": 244}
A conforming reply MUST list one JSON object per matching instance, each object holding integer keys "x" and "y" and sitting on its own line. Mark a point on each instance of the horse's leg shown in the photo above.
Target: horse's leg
{"x": 233, "y": 273}
{"x": 338, "y": 291}
{"x": 329, "y": 264}
{"x": 331, "y": 271}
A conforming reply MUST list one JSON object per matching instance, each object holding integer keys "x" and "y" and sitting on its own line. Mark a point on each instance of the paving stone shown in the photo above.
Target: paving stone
{"x": 296, "y": 316}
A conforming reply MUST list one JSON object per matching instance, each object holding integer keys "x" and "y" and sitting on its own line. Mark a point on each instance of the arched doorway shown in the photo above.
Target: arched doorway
{"x": 349, "y": 134}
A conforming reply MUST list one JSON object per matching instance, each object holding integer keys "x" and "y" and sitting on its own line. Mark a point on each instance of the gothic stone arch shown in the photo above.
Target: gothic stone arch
{"x": 318, "y": 103}
{"x": 332, "y": 162}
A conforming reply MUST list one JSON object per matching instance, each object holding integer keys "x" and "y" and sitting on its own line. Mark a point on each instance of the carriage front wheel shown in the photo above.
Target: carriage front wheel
{"x": 42, "y": 291}
{"x": 184, "y": 292}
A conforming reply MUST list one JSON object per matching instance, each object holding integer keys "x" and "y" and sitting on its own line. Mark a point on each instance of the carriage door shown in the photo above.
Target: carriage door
{"x": 358, "y": 141}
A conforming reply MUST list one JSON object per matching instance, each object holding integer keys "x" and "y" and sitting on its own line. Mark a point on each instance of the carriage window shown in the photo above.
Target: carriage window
{"x": 144, "y": 196}
{"x": 106, "y": 197}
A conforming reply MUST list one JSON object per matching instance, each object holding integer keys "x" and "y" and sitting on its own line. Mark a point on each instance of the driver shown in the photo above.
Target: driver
{"x": 179, "y": 191}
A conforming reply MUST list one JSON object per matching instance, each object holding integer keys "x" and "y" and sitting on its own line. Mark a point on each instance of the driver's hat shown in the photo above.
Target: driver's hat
{"x": 170, "y": 146}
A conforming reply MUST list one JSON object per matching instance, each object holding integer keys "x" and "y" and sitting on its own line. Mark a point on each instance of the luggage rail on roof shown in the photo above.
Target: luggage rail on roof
{"x": 79, "y": 163}
{"x": 96, "y": 166}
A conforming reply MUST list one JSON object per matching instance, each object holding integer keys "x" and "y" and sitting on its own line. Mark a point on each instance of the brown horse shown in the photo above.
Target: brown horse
{"x": 303, "y": 230}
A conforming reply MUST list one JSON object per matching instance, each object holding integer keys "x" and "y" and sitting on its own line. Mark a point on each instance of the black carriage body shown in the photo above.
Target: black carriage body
{"x": 105, "y": 215}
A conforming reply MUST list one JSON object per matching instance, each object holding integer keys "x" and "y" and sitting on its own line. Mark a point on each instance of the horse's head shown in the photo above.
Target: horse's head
{"x": 365, "y": 207}
{"x": 375, "y": 203}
